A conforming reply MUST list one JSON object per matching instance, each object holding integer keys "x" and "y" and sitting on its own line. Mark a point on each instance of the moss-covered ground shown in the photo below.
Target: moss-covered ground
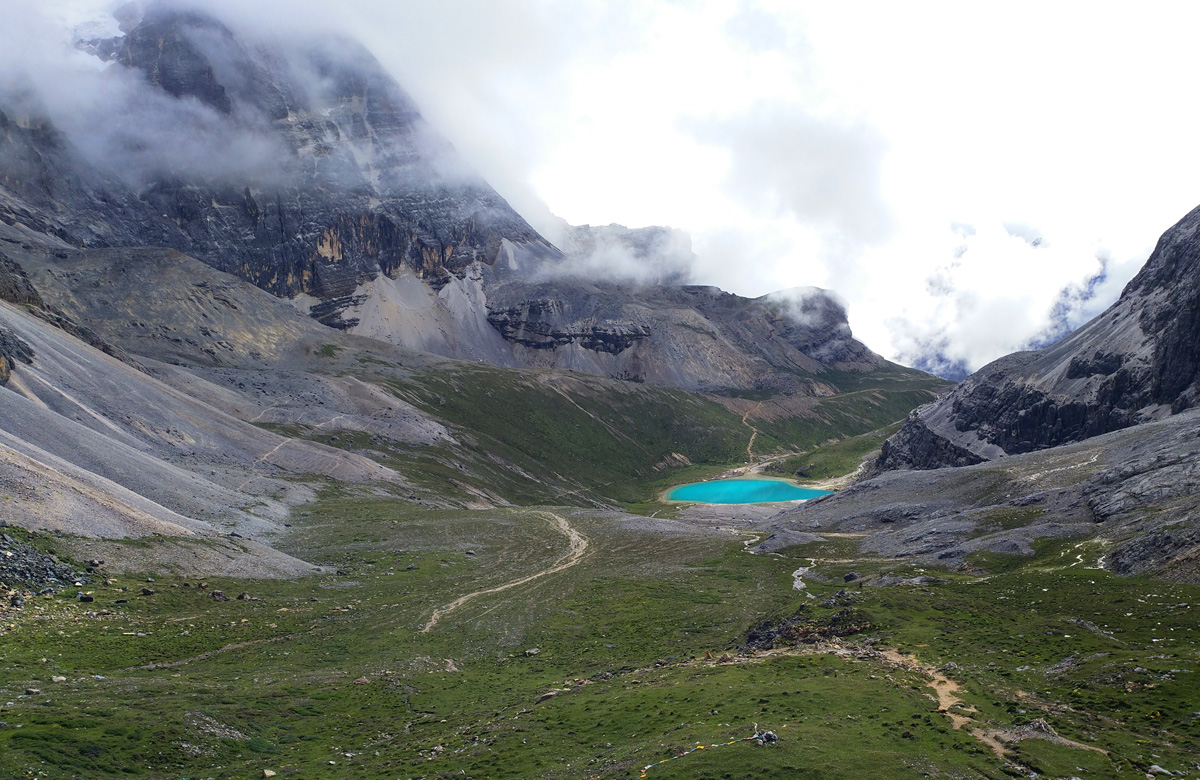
{"x": 638, "y": 658}
{"x": 537, "y": 437}
{"x": 833, "y": 459}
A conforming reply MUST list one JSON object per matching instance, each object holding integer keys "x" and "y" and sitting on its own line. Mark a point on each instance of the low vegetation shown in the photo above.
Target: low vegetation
{"x": 529, "y": 437}
{"x": 641, "y": 651}
{"x": 834, "y": 459}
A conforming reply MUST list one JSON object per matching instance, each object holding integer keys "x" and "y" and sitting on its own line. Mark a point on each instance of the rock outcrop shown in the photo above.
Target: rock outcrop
{"x": 349, "y": 181}
{"x": 694, "y": 337}
{"x": 1134, "y": 492}
{"x": 24, "y": 568}
{"x": 12, "y": 349}
{"x": 302, "y": 167}
{"x": 1136, "y": 362}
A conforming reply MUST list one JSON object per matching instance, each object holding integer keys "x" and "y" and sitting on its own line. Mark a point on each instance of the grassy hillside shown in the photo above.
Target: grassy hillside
{"x": 644, "y": 649}
{"x": 574, "y": 439}
{"x": 833, "y": 460}
{"x": 529, "y": 437}
{"x": 863, "y": 403}
{"x": 601, "y": 437}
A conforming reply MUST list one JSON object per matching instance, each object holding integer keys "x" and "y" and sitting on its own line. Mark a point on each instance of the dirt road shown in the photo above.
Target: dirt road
{"x": 578, "y": 546}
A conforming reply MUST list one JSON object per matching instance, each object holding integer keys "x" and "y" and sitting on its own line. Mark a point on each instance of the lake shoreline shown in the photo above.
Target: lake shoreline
{"x": 741, "y": 490}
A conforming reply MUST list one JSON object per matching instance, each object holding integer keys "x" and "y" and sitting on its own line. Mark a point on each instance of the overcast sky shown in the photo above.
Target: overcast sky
{"x": 967, "y": 179}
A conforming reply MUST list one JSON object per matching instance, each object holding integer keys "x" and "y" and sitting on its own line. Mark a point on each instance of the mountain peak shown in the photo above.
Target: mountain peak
{"x": 167, "y": 45}
{"x": 1138, "y": 361}
{"x": 300, "y": 165}
{"x": 297, "y": 164}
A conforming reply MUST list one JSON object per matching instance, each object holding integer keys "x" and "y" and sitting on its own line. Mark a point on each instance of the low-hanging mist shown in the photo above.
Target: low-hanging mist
{"x": 795, "y": 147}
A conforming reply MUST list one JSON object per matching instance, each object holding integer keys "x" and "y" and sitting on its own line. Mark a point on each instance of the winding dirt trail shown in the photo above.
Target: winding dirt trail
{"x": 753, "y": 432}
{"x": 579, "y": 545}
{"x": 946, "y": 689}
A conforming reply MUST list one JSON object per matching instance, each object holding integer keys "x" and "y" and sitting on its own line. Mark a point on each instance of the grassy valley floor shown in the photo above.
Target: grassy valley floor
{"x": 648, "y": 638}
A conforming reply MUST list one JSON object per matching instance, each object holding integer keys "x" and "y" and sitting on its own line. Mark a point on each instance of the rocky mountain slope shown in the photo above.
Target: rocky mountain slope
{"x": 1138, "y": 361}
{"x": 1132, "y": 493}
{"x": 212, "y": 408}
{"x": 303, "y": 168}
{"x": 95, "y": 442}
{"x": 1093, "y": 439}
{"x": 352, "y": 183}
{"x": 192, "y": 346}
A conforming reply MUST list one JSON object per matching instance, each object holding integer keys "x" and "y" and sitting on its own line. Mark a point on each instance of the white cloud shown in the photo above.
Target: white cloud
{"x": 785, "y": 162}
{"x": 842, "y": 145}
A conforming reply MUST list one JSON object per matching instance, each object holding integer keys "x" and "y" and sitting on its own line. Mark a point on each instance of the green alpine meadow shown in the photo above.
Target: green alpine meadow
{"x": 329, "y": 452}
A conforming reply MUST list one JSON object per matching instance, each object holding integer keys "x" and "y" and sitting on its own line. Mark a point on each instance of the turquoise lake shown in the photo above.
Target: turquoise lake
{"x": 742, "y": 491}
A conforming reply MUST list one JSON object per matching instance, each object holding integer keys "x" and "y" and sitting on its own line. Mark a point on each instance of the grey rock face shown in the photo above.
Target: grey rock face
{"x": 1155, "y": 551}
{"x": 1138, "y": 361}
{"x": 338, "y": 195}
{"x": 367, "y": 187}
{"x": 1133, "y": 492}
{"x": 165, "y": 47}
{"x": 545, "y": 323}
{"x": 916, "y": 446}
{"x": 49, "y": 189}
{"x": 692, "y": 336}
{"x": 353, "y": 183}
{"x": 15, "y": 286}
{"x": 12, "y": 348}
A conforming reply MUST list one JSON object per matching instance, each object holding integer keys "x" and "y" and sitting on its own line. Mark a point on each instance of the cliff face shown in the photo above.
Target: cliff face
{"x": 691, "y": 336}
{"x": 1136, "y": 362}
{"x": 302, "y": 167}
{"x": 47, "y": 188}
{"x": 359, "y": 184}
{"x": 333, "y": 177}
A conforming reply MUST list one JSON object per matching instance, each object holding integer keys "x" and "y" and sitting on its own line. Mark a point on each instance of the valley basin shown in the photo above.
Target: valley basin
{"x": 743, "y": 491}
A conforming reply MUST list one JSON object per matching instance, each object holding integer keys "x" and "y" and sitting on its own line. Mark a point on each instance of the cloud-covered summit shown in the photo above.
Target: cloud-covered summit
{"x": 796, "y": 145}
